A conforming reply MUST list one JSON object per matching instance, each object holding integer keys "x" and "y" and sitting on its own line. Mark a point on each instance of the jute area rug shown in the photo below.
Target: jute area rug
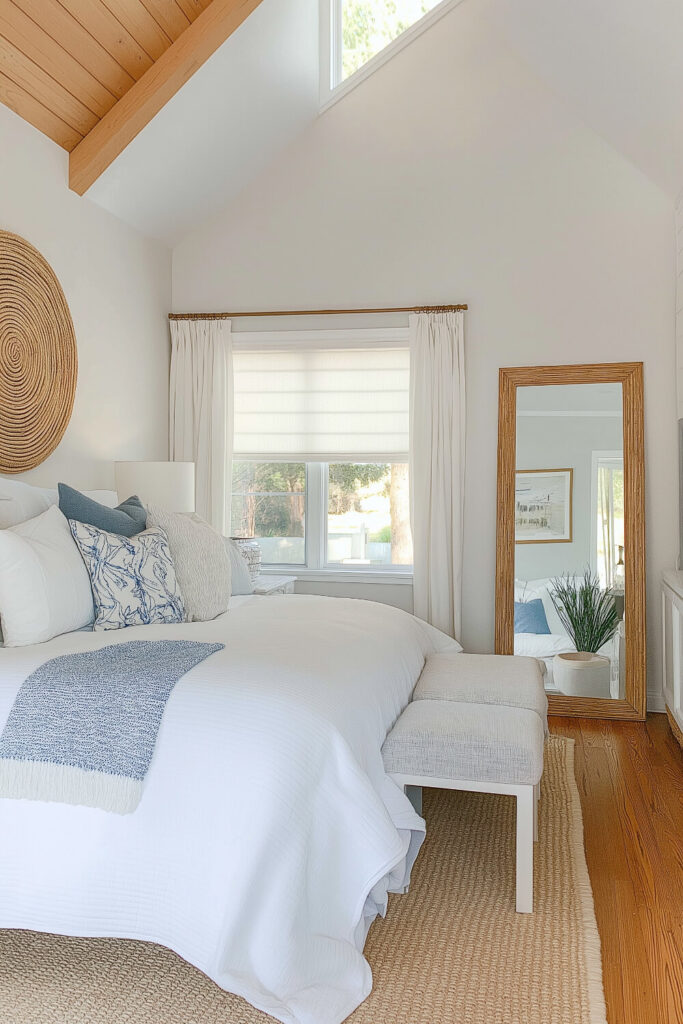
{"x": 453, "y": 951}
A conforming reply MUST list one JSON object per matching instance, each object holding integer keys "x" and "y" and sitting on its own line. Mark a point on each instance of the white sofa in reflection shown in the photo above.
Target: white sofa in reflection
{"x": 546, "y": 645}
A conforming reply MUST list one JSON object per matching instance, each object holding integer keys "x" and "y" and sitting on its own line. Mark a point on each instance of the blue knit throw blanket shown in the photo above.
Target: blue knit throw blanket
{"x": 83, "y": 727}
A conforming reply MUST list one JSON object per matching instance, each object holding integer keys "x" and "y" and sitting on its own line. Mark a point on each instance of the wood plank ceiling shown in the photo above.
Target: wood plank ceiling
{"x": 66, "y": 64}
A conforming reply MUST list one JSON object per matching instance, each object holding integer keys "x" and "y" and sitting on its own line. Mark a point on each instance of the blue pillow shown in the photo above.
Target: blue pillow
{"x": 530, "y": 617}
{"x": 127, "y": 519}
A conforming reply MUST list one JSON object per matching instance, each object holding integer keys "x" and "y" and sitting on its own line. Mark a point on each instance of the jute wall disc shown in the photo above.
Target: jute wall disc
{"x": 38, "y": 359}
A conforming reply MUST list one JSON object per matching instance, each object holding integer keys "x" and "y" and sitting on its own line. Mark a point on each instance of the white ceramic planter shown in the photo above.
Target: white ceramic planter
{"x": 580, "y": 674}
{"x": 251, "y": 552}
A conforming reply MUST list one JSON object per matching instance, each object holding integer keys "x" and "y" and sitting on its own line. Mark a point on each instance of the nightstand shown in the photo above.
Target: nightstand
{"x": 272, "y": 585}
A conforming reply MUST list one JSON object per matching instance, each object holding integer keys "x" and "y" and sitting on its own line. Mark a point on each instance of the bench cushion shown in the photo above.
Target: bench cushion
{"x": 475, "y": 742}
{"x": 484, "y": 679}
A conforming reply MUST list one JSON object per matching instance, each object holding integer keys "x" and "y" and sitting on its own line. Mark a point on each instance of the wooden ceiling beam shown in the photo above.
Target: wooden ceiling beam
{"x": 154, "y": 89}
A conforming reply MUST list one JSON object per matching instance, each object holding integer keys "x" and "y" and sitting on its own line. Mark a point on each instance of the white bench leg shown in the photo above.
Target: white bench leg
{"x": 526, "y": 804}
{"x": 537, "y": 794}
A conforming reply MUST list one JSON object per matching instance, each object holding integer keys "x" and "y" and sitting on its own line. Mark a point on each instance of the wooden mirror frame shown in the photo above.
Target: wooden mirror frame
{"x": 630, "y": 376}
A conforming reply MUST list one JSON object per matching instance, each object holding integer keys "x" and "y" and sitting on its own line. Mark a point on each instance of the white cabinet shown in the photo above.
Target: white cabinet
{"x": 672, "y": 642}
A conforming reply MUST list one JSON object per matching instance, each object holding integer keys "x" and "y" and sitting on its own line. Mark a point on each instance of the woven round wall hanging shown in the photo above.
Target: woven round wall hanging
{"x": 38, "y": 359}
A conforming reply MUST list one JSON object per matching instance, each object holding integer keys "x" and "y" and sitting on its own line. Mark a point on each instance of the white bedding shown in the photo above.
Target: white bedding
{"x": 268, "y": 833}
{"x": 542, "y": 645}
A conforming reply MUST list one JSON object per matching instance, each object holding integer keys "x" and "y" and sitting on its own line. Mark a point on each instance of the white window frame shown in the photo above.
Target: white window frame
{"x": 598, "y": 457}
{"x": 332, "y": 86}
{"x": 316, "y": 566}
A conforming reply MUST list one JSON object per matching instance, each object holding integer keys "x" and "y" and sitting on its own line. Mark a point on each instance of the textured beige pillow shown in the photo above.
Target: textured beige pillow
{"x": 201, "y": 562}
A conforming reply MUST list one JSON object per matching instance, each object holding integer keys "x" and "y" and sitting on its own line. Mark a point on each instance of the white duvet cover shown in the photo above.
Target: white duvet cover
{"x": 268, "y": 834}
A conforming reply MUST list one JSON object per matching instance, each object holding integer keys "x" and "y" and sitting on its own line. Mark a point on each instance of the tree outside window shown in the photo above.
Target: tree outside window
{"x": 366, "y": 519}
{"x": 370, "y": 25}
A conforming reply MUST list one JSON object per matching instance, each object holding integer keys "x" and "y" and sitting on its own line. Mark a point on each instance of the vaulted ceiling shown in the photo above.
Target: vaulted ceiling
{"x": 91, "y": 74}
{"x": 254, "y": 96}
{"x": 617, "y": 63}
{"x": 104, "y": 79}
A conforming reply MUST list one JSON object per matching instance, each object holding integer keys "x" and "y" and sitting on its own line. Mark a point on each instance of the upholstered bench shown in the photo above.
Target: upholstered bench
{"x": 478, "y": 723}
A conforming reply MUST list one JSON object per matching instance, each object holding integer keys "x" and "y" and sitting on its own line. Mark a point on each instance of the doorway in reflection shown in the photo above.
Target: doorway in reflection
{"x": 569, "y": 536}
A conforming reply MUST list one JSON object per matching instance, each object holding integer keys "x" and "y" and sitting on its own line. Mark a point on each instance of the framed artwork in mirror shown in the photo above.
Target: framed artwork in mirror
{"x": 543, "y": 506}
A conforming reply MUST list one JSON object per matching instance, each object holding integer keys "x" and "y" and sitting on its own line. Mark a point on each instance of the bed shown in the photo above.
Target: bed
{"x": 268, "y": 835}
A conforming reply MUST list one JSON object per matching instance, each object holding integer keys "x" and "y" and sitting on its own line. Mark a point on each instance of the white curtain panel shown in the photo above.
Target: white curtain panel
{"x": 201, "y": 411}
{"x": 437, "y": 465}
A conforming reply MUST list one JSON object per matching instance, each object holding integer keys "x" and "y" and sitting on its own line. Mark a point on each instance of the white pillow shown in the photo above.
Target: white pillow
{"x": 44, "y": 585}
{"x": 542, "y": 645}
{"x": 20, "y": 501}
{"x": 201, "y": 562}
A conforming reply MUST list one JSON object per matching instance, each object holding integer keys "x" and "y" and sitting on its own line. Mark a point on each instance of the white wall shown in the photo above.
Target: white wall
{"x": 451, "y": 175}
{"x": 400, "y": 595}
{"x": 254, "y": 94}
{"x": 679, "y": 366}
{"x": 679, "y": 302}
{"x": 117, "y": 285}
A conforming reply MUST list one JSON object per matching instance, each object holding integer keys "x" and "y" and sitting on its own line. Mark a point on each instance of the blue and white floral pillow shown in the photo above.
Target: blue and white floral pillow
{"x": 133, "y": 579}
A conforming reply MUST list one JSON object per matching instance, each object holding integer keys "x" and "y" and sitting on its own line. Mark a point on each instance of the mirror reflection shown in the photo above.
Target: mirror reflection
{"x": 569, "y": 536}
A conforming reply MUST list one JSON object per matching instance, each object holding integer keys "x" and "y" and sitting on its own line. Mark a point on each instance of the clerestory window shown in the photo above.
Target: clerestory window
{"x": 359, "y": 34}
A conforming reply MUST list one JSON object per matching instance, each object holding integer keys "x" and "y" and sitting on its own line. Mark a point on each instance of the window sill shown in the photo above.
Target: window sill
{"x": 340, "y": 575}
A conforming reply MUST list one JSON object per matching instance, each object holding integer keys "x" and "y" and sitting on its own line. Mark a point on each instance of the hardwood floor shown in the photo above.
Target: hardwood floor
{"x": 630, "y": 777}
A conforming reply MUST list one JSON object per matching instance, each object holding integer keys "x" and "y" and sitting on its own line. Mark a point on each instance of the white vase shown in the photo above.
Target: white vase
{"x": 251, "y": 552}
{"x": 580, "y": 674}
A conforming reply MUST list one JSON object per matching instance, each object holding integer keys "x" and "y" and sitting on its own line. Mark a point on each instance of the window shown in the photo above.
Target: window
{"x": 320, "y": 471}
{"x": 368, "y": 514}
{"x": 368, "y": 26}
{"x": 360, "y": 30}
{"x": 269, "y": 502}
{"x": 608, "y": 517}
{"x": 362, "y": 510}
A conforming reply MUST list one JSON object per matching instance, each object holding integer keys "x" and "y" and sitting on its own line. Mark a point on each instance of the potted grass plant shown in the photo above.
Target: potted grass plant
{"x": 589, "y": 614}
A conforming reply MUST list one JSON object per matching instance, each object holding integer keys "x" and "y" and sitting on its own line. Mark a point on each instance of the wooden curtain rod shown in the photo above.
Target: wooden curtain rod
{"x": 314, "y": 312}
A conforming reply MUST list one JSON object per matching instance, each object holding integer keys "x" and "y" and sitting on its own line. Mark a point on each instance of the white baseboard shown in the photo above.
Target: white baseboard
{"x": 655, "y": 701}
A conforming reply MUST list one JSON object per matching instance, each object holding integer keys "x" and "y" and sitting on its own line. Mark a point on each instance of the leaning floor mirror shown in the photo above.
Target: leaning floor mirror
{"x": 570, "y": 571}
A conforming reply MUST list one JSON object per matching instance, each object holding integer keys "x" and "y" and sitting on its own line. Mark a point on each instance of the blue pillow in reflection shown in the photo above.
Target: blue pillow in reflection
{"x": 530, "y": 617}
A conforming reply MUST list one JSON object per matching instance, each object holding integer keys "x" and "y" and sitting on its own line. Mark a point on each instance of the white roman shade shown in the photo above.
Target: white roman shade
{"x": 325, "y": 403}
